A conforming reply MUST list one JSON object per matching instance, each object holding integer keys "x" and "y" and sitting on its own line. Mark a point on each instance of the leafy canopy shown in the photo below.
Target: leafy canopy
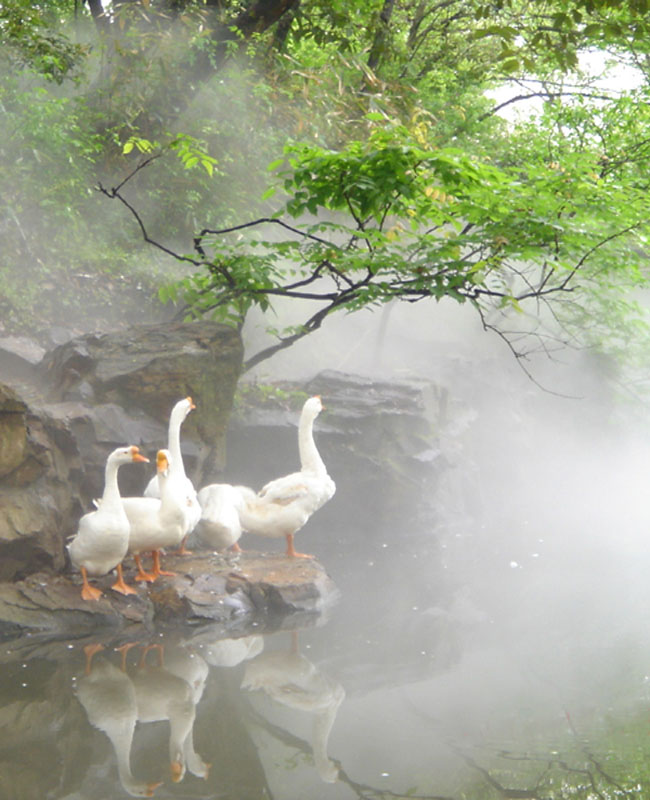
{"x": 393, "y": 177}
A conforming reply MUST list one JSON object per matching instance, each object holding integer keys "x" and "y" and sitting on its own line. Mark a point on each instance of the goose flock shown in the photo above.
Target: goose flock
{"x": 171, "y": 508}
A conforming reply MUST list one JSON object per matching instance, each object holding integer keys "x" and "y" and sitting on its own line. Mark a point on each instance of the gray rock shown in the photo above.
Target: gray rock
{"x": 59, "y": 421}
{"x": 207, "y": 588}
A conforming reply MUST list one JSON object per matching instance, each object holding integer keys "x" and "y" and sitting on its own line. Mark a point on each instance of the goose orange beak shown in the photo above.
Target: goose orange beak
{"x": 136, "y": 455}
{"x": 190, "y": 401}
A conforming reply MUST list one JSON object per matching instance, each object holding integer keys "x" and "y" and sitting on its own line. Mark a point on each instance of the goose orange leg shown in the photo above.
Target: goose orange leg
{"x": 182, "y": 550}
{"x": 147, "y": 648}
{"x": 123, "y": 651}
{"x": 142, "y": 575}
{"x": 120, "y": 586}
{"x": 291, "y": 552}
{"x": 88, "y": 592}
{"x": 89, "y": 651}
{"x": 156, "y": 565}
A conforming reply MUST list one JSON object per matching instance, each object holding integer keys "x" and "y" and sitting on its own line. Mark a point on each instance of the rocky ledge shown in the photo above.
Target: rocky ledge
{"x": 262, "y": 589}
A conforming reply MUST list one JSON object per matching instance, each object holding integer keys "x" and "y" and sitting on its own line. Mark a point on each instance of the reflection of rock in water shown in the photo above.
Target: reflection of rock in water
{"x": 292, "y": 680}
{"x": 39, "y": 727}
{"x": 109, "y": 699}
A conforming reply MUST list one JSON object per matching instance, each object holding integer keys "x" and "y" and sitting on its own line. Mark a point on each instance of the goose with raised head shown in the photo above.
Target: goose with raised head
{"x": 157, "y": 523}
{"x": 192, "y": 510}
{"x": 102, "y": 539}
{"x": 285, "y": 504}
{"x": 109, "y": 699}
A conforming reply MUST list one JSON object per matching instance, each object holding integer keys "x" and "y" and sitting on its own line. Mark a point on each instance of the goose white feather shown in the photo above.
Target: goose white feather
{"x": 284, "y": 505}
{"x": 192, "y": 510}
{"x": 157, "y": 523}
{"x": 219, "y": 526}
{"x": 102, "y": 538}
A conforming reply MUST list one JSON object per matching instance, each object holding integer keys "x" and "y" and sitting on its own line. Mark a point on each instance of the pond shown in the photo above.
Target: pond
{"x": 499, "y": 652}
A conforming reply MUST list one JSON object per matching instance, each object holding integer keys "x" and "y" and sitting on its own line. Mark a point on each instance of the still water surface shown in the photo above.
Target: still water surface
{"x": 508, "y": 657}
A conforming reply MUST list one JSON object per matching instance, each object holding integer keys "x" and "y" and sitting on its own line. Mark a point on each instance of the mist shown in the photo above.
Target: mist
{"x": 521, "y": 603}
{"x": 541, "y": 525}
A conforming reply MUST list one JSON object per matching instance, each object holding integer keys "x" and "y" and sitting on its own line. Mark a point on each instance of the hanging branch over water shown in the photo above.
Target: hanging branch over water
{"x": 402, "y": 223}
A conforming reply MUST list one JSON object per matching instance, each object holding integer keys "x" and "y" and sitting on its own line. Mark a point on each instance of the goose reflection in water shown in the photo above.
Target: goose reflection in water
{"x": 109, "y": 699}
{"x": 228, "y": 652}
{"x": 170, "y": 691}
{"x": 292, "y": 680}
{"x": 115, "y": 701}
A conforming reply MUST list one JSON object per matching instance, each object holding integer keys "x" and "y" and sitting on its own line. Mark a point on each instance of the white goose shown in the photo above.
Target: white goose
{"x": 108, "y": 697}
{"x": 193, "y": 510}
{"x": 154, "y": 523}
{"x": 102, "y": 538}
{"x": 219, "y": 526}
{"x": 285, "y": 504}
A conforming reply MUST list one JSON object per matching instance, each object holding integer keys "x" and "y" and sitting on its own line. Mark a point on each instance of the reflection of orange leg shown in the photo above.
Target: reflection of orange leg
{"x": 182, "y": 550}
{"x": 120, "y": 586}
{"x": 294, "y": 649}
{"x": 123, "y": 650}
{"x": 146, "y": 649}
{"x": 156, "y": 565}
{"x": 90, "y": 650}
{"x": 142, "y": 575}
{"x": 88, "y": 592}
{"x": 291, "y": 551}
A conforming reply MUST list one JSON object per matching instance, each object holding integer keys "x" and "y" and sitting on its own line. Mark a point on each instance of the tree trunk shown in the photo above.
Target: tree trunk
{"x": 97, "y": 13}
{"x": 379, "y": 44}
{"x": 256, "y": 18}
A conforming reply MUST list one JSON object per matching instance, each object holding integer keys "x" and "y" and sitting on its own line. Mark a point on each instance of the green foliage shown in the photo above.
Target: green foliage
{"x": 390, "y": 217}
{"x": 32, "y": 40}
{"x": 389, "y": 178}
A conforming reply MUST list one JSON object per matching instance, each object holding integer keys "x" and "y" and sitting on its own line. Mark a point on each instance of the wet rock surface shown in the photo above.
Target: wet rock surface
{"x": 207, "y": 587}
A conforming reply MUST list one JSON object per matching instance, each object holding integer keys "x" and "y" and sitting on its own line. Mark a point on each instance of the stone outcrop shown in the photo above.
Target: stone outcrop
{"x": 61, "y": 416}
{"x": 207, "y": 587}
{"x": 132, "y": 378}
{"x": 40, "y": 475}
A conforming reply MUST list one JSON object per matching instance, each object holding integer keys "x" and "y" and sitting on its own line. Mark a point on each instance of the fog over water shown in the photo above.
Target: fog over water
{"x": 513, "y": 618}
{"x": 540, "y": 636}
{"x": 500, "y": 637}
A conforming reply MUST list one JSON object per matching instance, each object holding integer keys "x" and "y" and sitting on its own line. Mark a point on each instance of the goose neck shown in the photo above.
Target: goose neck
{"x": 309, "y": 456}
